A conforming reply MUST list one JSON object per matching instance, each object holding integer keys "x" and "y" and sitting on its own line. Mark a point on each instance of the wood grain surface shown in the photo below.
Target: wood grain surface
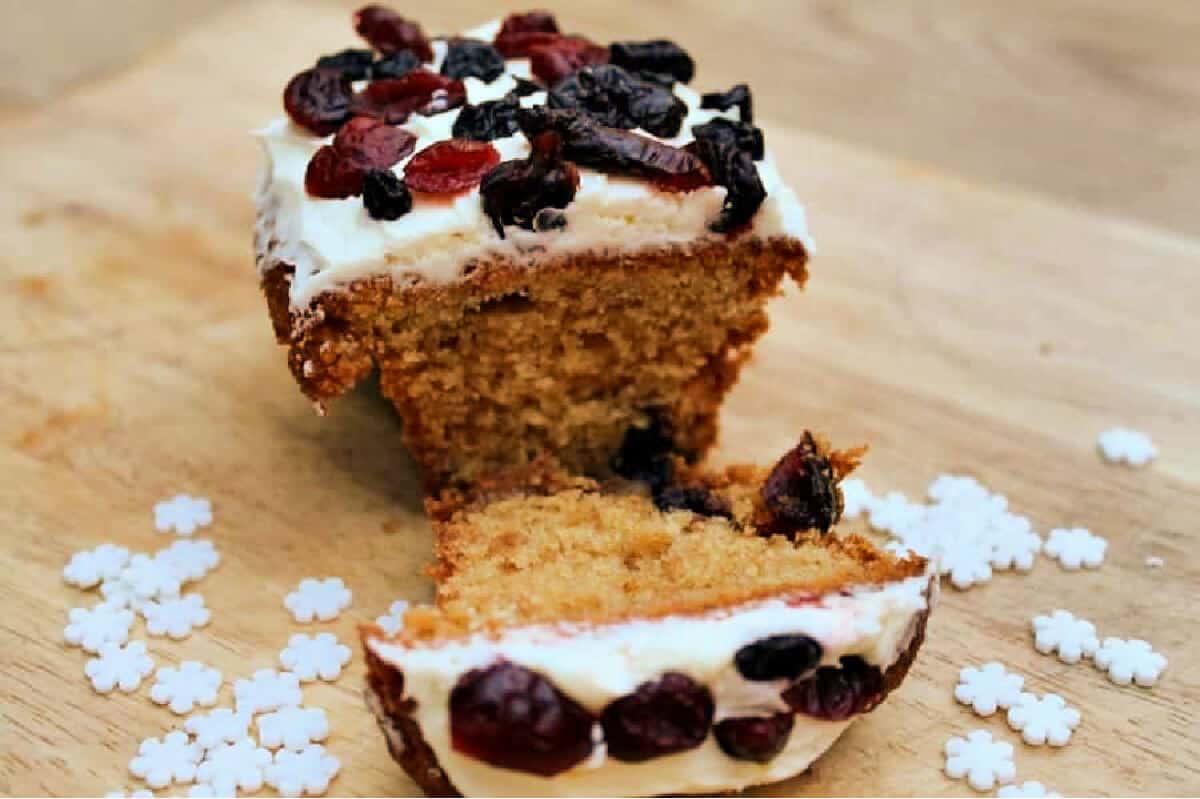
{"x": 953, "y": 322}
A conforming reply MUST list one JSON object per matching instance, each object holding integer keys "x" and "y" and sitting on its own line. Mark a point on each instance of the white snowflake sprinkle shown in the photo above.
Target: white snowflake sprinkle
{"x": 1132, "y": 661}
{"x": 190, "y": 559}
{"x": 857, "y": 498}
{"x": 988, "y": 688}
{"x": 318, "y": 599}
{"x": 1041, "y": 720}
{"x": 183, "y": 514}
{"x": 202, "y": 790}
{"x": 393, "y": 620}
{"x": 218, "y": 726}
{"x": 87, "y": 568}
{"x": 1122, "y": 445}
{"x": 1030, "y": 788}
{"x": 319, "y": 656}
{"x": 292, "y": 727}
{"x": 1076, "y": 547}
{"x": 267, "y": 690}
{"x": 1154, "y": 562}
{"x": 119, "y": 666}
{"x": 119, "y": 594}
{"x": 91, "y": 628}
{"x": 1073, "y": 639}
{"x": 140, "y": 793}
{"x": 177, "y": 616}
{"x": 183, "y": 688}
{"x": 149, "y": 578}
{"x": 307, "y": 772}
{"x": 239, "y": 766}
{"x": 162, "y": 761}
{"x": 984, "y": 762}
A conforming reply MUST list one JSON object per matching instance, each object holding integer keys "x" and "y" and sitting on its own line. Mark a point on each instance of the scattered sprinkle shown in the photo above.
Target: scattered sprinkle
{"x": 220, "y": 726}
{"x": 121, "y": 666}
{"x": 1076, "y": 547}
{"x": 91, "y": 628}
{"x": 183, "y": 514}
{"x": 984, "y": 762}
{"x": 88, "y": 568}
{"x": 307, "y": 772}
{"x": 1131, "y": 447}
{"x": 292, "y": 727}
{"x": 140, "y": 793}
{"x": 1029, "y": 788}
{"x": 857, "y": 498}
{"x": 1130, "y": 661}
{"x": 183, "y": 688}
{"x": 393, "y": 620}
{"x": 162, "y": 761}
{"x": 1043, "y": 720}
{"x": 988, "y": 688}
{"x": 1060, "y": 632}
{"x": 190, "y": 559}
{"x": 239, "y": 766}
{"x": 177, "y": 616}
{"x": 312, "y": 657}
{"x": 149, "y": 578}
{"x": 267, "y": 690}
{"x": 318, "y": 599}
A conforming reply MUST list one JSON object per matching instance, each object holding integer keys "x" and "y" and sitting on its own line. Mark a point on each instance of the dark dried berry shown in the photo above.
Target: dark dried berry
{"x": 733, "y": 167}
{"x": 615, "y": 98}
{"x": 549, "y": 219}
{"x": 646, "y": 453}
{"x": 422, "y": 91}
{"x": 656, "y": 55}
{"x": 836, "y": 694}
{"x": 319, "y": 100}
{"x": 450, "y": 166}
{"x": 511, "y": 717}
{"x": 800, "y": 493}
{"x": 493, "y": 119}
{"x": 659, "y": 78}
{"x": 698, "y": 499}
{"x": 525, "y": 87}
{"x": 515, "y": 191}
{"x": 758, "y": 739}
{"x": 551, "y": 61}
{"x": 741, "y": 135}
{"x": 353, "y": 64}
{"x": 662, "y": 717}
{"x": 613, "y": 150}
{"x": 396, "y": 65}
{"x": 778, "y": 657}
{"x": 519, "y": 32}
{"x": 739, "y": 95}
{"x": 336, "y": 170}
{"x": 388, "y": 32}
{"x": 471, "y": 58}
{"x": 384, "y": 195}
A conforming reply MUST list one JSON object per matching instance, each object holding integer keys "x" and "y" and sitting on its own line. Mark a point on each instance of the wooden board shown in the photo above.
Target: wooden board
{"x": 955, "y": 326}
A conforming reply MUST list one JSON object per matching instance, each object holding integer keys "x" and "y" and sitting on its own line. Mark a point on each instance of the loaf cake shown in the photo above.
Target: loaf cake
{"x": 682, "y": 632}
{"x": 537, "y": 242}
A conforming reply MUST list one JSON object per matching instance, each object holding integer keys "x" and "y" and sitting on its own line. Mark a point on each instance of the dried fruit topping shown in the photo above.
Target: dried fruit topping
{"x": 733, "y": 167}
{"x": 396, "y": 65}
{"x": 471, "y": 58}
{"x": 835, "y": 694}
{"x": 698, "y": 499}
{"x": 739, "y": 95}
{"x": 800, "y": 493}
{"x": 549, "y": 219}
{"x": 615, "y": 98}
{"x": 422, "y": 91}
{"x": 778, "y": 657}
{"x": 553, "y": 60}
{"x": 388, "y": 32}
{"x": 384, "y": 195}
{"x": 662, "y": 717}
{"x": 524, "y": 87}
{"x": 450, "y": 166}
{"x": 493, "y": 119}
{"x": 741, "y": 135}
{"x": 754, "y": 738}
{"x": 646, "y": 453}
{"x": 621, "y": 152}
{"x": 511, "y": 717}
{"x": 657, "y": 55}
{"x": 519, "y": 32}
{"x": 336, "y": 170}
{"x": 353, "y": 64}
{"x": 319, "y": 100}
{"x": 514, "y": 192}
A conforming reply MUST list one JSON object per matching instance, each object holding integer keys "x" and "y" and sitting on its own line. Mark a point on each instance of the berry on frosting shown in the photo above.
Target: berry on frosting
{"x": 664, "y": 716}
{"x": 450, "y": 166}
{"x": 758, "y": 739}
{"x": 835, "y": 694}
{"x": 471, "y": 58}
{"x": 520, "y": 32}
{"x": 388, "y": 32}
{"x": 657, "y": 55}
{"x": 778, "y": 657}
{"x": 515, "y": 191}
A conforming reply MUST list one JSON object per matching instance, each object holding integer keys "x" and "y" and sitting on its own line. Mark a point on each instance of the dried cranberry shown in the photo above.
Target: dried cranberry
{"x": 330, "y": 176}
{"x": 493, "y": 119}
{"x": 384, "y": 195}
{"x": 471, "y": 58}
{"x": 515, "y": 191}
{"x": 733, "y": 167}
{"x": 754, "y": 738}
{"x": 525, "y": 87}
{"x": 553, "y": 60}
{"x": 838, "y": 693}
{"x": 318, "y": 99}
{"x": 645, "y": 454}
{"x": 662, "y": 717}
{"x": 450, "y": 166}
{"x": 396, "y": 65}
{"x": 620, "y": 152}
{"x": 511, "y": 717}
{"x": 657, "y": 55}
{"x": 615, "y": 98}
{"x": 353, "y": 64}
{"x": 739, "y": 95}
{"x": 422, "y": 91}
{"x": 741, "y": 135}
{"x": 519, "y": 32}
{"x": 388, "y": 32}
{"x": 336, "y": 170}
{"x": 698, "y": 499}
{"x": 778, "y": 657}
{"x": 800, "y": 493}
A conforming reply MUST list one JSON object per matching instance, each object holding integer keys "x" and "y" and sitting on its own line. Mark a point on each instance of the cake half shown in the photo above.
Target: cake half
{"x": 535, "y": 240}
{"x": 687, "y": 632}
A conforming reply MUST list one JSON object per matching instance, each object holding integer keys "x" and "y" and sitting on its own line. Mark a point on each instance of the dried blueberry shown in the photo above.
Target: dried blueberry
{"x": 525, "y": 87}
{"x": 800, "y": 493}
{"x": 778, "y": 657}
{"x": 758, "y": 739}
{"x": 662, "y": 717}
{"x": 549, "y": 219}
{"x": 493, "y": 119}
{"x": 511, "y": 717}
{"x": 396, "y": 65}
{"x": 656, "y": 55}
{"x": 659, "y": 78}
{"x": 645, "y": 454}
{"x": 698, "y": 499}
{"x": 319, "y": 100}
{"x": 739, "y": 95}
{"x": 741, "y": 135}
{"x": 353, "y": 64}
{"x": 384, "y": 195}
{"x": 618, "y": 99}
{"x": 471, "y": 58}
{"x": 733, "y": 167}
{"x": 835, "y": 693}
{"x": 515, "y": 191}
{"x": 388, "y": 32}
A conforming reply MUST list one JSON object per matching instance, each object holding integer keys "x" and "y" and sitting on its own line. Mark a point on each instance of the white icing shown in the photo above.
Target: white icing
{"x": 594, "y": 665}
{"x": 333, "y": 242}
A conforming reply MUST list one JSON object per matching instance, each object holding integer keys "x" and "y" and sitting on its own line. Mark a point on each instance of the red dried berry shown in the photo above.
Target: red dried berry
{"x": 514, "y": 192}
{"x": 318, "y": 99}
{"x": 336, "y": 171}
{"x": 511, "y": 717}
{"x": 450, "y": 166}
{"x": 551, "y": 61}
{"x": 519, "y": 32}
{"x": 662, "y": 717}
{"x": 758, "y": 739}
{"x": 422, "y": 91}
{"x": 800, "y": 493}
{"x": 388, "y": 32}
{"x": 331, "y": 177}
{"x": 836, "y": 694}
